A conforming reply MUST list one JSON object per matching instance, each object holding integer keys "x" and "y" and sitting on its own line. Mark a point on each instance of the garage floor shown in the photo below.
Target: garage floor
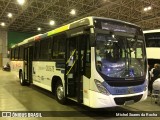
{"x": 14, "y": 97}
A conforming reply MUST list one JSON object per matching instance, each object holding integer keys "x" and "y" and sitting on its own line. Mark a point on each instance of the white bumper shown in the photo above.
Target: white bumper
{"x": 98, "y": 100}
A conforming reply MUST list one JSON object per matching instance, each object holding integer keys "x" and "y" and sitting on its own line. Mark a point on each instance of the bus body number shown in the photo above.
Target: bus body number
{"x": 50, "y": 68}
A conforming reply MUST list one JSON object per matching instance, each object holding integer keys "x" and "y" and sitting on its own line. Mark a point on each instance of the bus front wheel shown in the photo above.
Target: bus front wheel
{"x": 60, "y": 93}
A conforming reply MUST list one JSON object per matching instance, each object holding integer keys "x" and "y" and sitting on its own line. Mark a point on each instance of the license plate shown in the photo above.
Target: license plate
{"x": 129, "y": 102}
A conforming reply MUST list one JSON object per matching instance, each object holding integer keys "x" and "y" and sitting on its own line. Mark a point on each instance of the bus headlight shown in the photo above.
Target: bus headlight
{"x": 101, "y": 88}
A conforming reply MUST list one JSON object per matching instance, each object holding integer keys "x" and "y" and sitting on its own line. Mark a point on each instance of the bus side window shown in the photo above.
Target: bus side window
{"x": 44, "y": 47}
{"x": 58, "y": 47}
{"x": 50, "y": 47}
{"x": 55, "y": 49}
{"x": 16, "y": 53}
{"x": 12, "y": 54}
{"x": 36, "y": 50}
{"x": 21, "y": 53}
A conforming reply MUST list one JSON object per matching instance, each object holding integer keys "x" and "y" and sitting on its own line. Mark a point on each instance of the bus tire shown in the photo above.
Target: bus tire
{"x": 59, "y": 93}
{"x": 22, "y": 82}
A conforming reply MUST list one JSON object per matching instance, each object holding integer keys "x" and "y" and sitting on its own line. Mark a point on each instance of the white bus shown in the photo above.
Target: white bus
{"x": 98, "y": 62}
{"x": 152, "y": 38}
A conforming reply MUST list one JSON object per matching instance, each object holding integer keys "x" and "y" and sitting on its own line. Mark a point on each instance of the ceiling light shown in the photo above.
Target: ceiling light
{"x": 145, "y": 9}
{"x": 149, "y": 8}
{"x": 51, "y": 22}
{"x": 106, "y": 0}
{"x": 3, "y": 24}
{"x": 73, "y": 12}
{"x": 39, "y": 29}
{"x": 21, "y": 2}
{"x": 9, "y": 15}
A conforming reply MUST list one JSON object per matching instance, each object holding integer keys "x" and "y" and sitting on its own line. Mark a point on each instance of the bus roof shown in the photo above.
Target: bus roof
{"x": 114, "y": 20}
{"x": 26, "y": 40}
{"x": 81, "y": 22}
{"x": 151, "y": 31}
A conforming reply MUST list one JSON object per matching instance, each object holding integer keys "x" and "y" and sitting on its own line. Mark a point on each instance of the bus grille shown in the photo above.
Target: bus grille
{"x": 125, "y": 83}
{"x": 122, "y": 100}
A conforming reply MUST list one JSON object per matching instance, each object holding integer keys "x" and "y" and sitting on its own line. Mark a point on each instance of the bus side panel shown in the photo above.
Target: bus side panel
{"x": 153, "y": 53}
{"x": 86, "y": 91}
{"x": 43, "y": 72}
{"x": 16, "y": 66}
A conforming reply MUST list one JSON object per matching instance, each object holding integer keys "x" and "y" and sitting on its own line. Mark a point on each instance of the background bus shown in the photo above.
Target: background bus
{"x": 94, "y": 61}
{"x": 152, "y": 38}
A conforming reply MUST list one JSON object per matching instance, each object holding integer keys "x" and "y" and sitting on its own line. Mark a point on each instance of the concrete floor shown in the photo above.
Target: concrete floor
{"x": 14, "y": 97}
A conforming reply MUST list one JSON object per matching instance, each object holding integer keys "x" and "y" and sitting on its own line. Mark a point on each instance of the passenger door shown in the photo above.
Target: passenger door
{"x": 75, "y": 66}
{"x": 28, "y": 57}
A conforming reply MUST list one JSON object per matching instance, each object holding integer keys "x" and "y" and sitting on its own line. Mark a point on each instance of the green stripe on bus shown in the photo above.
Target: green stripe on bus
{"x": 61, "y": 29}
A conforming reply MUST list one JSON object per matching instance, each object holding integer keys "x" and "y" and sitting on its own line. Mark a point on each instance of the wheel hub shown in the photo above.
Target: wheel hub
{"x": 60, "y": 92}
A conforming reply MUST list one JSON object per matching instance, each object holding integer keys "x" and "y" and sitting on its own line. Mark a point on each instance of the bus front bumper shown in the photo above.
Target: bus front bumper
{"x": 99, "y": 100}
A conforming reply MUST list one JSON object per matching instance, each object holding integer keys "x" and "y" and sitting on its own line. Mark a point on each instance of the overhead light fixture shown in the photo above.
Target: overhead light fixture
{"x": 73, "y": 12}
{"x": 3, "y": 24}
{"x": 147, "y": 8}
{"x": 10, "y": 15}
{"x": 51, "y": 22}
{"x": 39, "y": 29}
{"x": 106, "y": 0}
{"x": 21, "y": 2}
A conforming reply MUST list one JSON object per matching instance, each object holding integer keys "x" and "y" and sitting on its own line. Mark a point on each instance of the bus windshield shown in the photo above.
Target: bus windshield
{"x": 120, "y": 56}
